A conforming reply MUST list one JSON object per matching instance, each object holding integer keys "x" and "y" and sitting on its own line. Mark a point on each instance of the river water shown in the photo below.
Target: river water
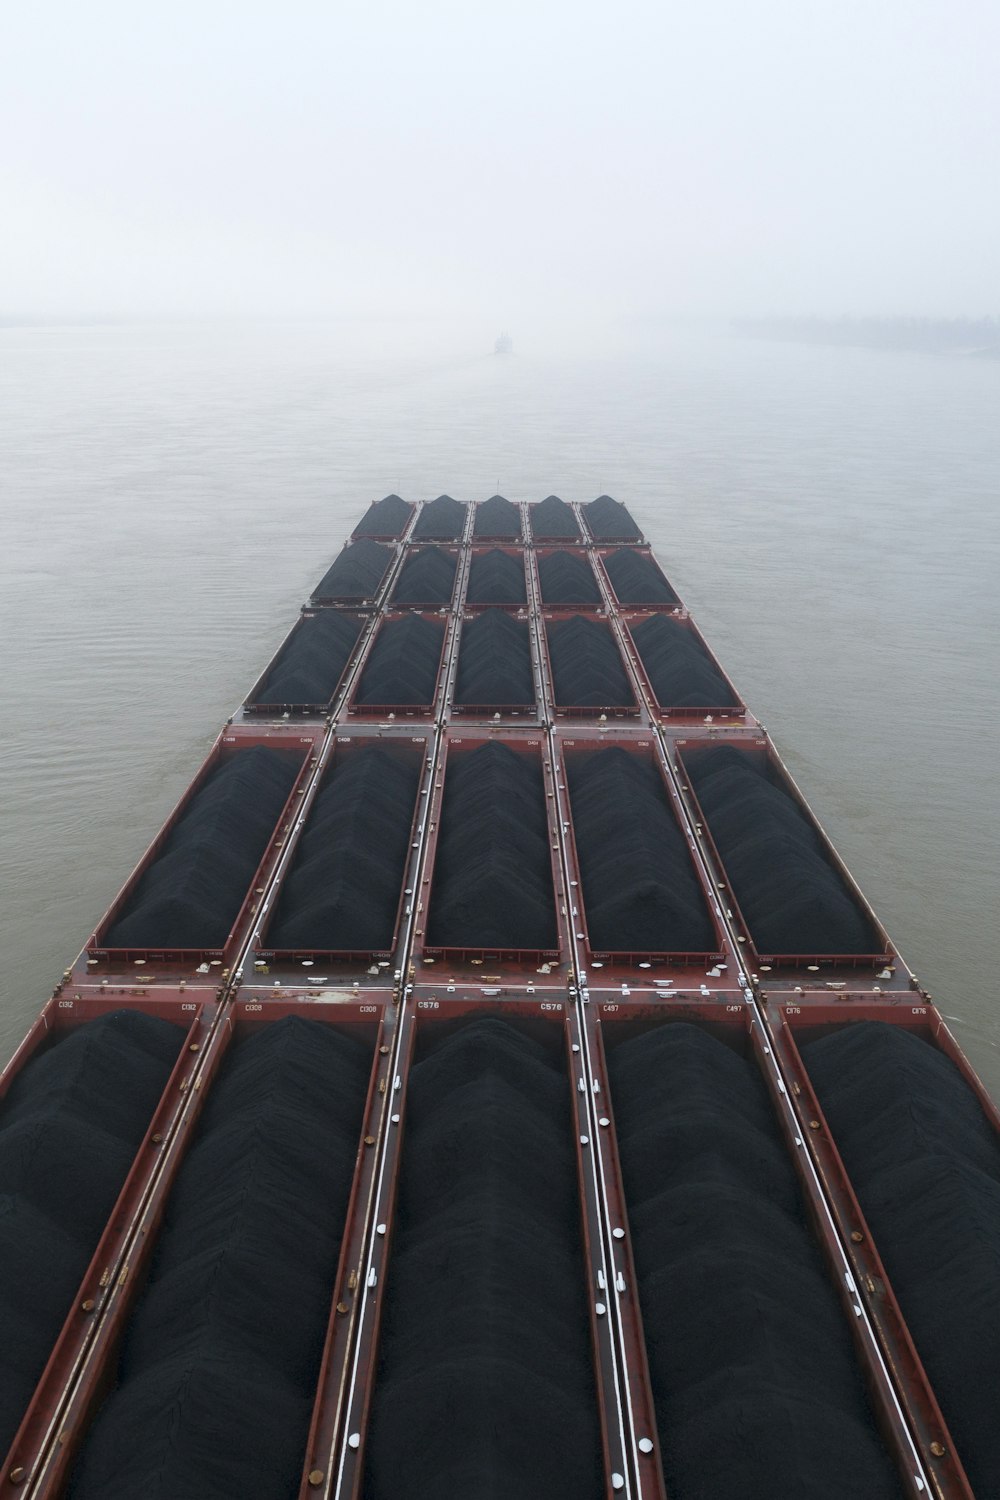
{"x": 170, "y": 493}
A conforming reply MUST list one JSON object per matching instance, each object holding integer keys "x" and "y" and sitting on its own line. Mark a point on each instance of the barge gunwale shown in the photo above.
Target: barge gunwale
{"x": 457, "y": 538}
{"x": 605, "y": 541}
{"x": 637, "y": 615}
{"x": 761, "y": 748}
{"x": 357, "y": 601}
{"x": 389, "y": 616}
{"x": 229, "y": 743}
{"x": 523, "y": 712}
{"x": 559, "y": 615}
{"x": 675, "y": 606}
{"x": 347, "y": 1483}
{"x": 646, "y": 748}
{"x": 509, "y": 550}
{"x": 737, "y": 1024}
{"x": 916, "y": 1392}
{"x": 255, "y": 707}
{"x": 111, "y": 1264}
{"x": 531, "y": 743}
{"x": 513, "y": 539}
{"x": 343, "y": 744}
{"x": 534, "y": 538}
{"x": 347, "y": 1304}
{"x": 454, "y": 550}
{"x": 357, "y": 535}
{"x": 347, "y": 982}
{"x": 581, "y": 554}
{"x": 92, "y": 1379}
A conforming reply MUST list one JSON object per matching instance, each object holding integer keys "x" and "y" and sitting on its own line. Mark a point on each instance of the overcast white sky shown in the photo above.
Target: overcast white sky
{"x": 434, "y": 158}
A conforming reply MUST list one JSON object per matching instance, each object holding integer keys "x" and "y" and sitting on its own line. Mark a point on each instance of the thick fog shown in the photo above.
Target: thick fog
{"x": 506, "y": 160}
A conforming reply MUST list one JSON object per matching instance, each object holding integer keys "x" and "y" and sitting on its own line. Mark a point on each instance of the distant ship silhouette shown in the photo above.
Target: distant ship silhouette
{"x": 503, "y": 345}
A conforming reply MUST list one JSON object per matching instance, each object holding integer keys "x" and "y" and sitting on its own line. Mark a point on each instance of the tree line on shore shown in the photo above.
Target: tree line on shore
{"x": 960, "y": 335}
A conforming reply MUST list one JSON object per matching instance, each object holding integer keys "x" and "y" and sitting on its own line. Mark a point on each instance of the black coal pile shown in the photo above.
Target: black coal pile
{"x": 403, "y": 664}
{"x": 553, "y": 518}
{"x": 192, "y": 892}
{"x": 680, "y": 670}
{"x": 313, "y": 662}
{"x": 756, "y": 1389}
{"x": 343, "y": 889}
{"x": 640, "y": 891}
{"x": 388, "y": 517}
{"x": 636, "y": 579}
{"x": 566, "y": 579}
{"x": 925, "y": 1164}
{"x": 356, "y": 574}
{"x": 793, "y": 899}
{"x": 609, "y": 521}
{"x": 586, "y": 665}
{"x": 485, "y": 1353}
{"x": 493, "y": 872}
{"x": 426, "y": 577}
{"x": 70, "y": 1127}
{"x": 228, "y": 1335}
{"x": 496, "y": 578}
{"x": 497, "y": 517}
{"x": 441, "y": 520}
{"x": 494, "y": 662}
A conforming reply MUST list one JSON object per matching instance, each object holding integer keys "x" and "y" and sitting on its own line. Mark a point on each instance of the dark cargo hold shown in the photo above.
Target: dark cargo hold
{"x": 427, "y": 577}
{"x": 925, "y": 1164}
{"x": 566, "y": 579}
{"x": 403, "y": 665}
{"x": 388, "y": 517}
{"x": 313, "y": 662}
{"x": 228, "y": 1334}
{"x": 441, "y": 520}
{"x": 793, "y": 899}
{"x": 70, "y": 1127}
{"x": 636, "y": 579}
{"x": 497, "y": 517}
{"x": 586, "y": 665}
{"x": 494, "y": 661}
{"x": 640, "y": 892}
{"x": 496, "y": 578}
{"x": 609, "y": 521}
{"x": 680, "y": 671}
{"x": 756, "y": 1389}
{"x": 553, "y": 518}
{"x": 343, "y": 889}
{"x": 190, "y": 896}
{"x": 485, "y": 1385}
{"x": 356, "y": 574}
{"x": 493, "y": 871}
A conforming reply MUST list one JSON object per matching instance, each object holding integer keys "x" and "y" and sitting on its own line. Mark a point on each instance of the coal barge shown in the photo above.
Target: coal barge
{"x": 491, "y": 1082}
